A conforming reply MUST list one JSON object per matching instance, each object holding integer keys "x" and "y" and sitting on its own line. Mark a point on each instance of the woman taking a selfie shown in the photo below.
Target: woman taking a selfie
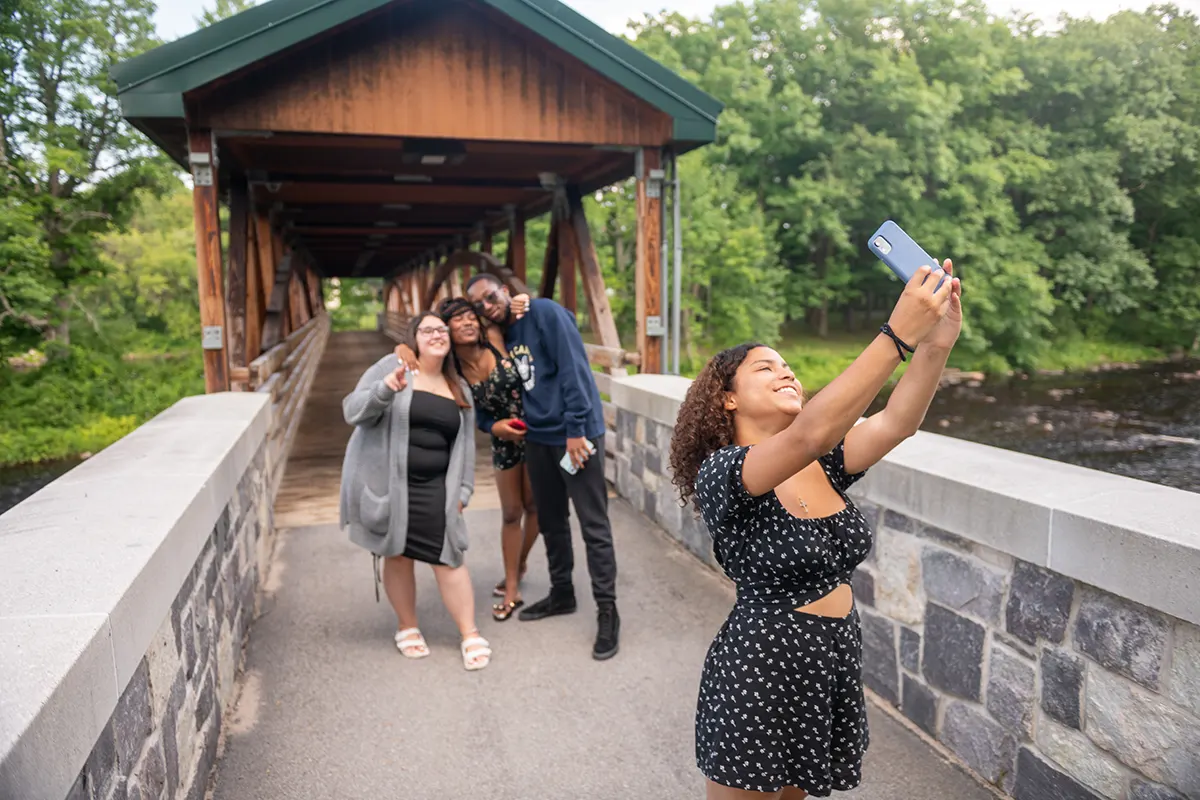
{"x": 781, "y": 711}
{"x": 408, "y": 475}
{"x": 480, "y": 359}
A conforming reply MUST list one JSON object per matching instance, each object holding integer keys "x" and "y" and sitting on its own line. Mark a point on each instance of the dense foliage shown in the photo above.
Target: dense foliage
{"x": 1059, "y": 168}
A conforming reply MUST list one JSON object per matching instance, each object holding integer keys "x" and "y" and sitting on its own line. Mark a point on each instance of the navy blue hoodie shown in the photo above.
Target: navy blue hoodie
{"x": 561, "y": 399}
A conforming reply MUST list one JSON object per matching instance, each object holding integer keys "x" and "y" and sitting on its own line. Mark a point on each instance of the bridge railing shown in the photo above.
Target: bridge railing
{"x": 286, "y": 373}
{"x": 1040, "y": 620}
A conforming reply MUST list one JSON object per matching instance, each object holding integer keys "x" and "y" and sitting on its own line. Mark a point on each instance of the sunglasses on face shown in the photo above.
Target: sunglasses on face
{"x": 492, "y": 298}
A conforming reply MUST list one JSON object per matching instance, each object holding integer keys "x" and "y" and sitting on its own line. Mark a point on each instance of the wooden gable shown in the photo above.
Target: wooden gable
{"x": 462, "y": 72}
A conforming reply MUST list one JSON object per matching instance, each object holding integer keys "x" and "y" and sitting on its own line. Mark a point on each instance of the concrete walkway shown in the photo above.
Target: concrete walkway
{"x": 330, "y": 710}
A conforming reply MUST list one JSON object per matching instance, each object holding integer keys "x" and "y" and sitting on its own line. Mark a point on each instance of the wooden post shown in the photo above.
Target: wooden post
{"x": 274, "y": 325}
{"x": 550, "y": 262}
{"x": 315, "y": 305}
{"x": 485, "y": 246}
{"x": 256, "y": 303}
{"x": 599, "y": 310}
{"x": 568, "y": 254}
{"x": 236, "y": 291}
{"x": 649, "y": 257}
{"x": 515, "y": 258}
{"x": 202, "y": 156}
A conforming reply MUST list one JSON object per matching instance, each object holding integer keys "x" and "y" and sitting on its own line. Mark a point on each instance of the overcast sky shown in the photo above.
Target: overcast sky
{"x": 177, "y": 17}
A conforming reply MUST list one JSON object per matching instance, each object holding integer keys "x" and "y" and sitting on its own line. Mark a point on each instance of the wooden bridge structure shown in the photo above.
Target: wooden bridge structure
{"x": 396, "y": 139}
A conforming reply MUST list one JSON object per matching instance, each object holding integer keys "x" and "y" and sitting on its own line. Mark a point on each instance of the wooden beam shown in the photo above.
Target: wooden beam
{"x": 237, "y": 296}
{"x": 515, "y": 259}
{"x": 649, "y": 259}
{"x": 207, "y": 220}
{"x": 568, "y": 255}
{"x": 263, "y": 238}
{"x": 600, "y": 313}
{"x": 273, "y": 326}
{"x": 256, "y": 303}
{"x": 550, "y": 261}
{"x": 380, "y": 193}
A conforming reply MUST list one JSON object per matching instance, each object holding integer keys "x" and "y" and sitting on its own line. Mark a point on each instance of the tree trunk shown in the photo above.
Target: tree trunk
{"x": 61, "y": 332}
{"x": 823, "y": 320}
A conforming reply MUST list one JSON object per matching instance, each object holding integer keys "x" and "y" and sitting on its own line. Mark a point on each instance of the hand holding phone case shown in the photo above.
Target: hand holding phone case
{"x": 568, "y": 465}
{"x": 897, "y": 249}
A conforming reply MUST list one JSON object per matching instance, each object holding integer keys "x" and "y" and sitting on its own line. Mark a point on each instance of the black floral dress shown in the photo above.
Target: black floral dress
{"x": 781, "y": 697}
{"x": 499, "y": 394}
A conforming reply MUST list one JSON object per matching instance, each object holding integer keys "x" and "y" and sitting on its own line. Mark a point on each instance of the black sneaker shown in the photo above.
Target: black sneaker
{"x": 608, "y": 632}
{"x": 552, "y": 606}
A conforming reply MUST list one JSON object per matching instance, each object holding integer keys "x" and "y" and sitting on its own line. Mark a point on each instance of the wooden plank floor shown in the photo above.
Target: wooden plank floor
{"x": 309, "y": 492}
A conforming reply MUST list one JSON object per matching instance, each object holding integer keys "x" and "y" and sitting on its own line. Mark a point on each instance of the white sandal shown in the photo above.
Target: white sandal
{"x": 475, "y": 652}
{"x": 411, "y": 646}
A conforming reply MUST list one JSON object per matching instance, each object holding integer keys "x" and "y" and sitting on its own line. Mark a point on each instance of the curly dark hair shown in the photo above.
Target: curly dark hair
{"x": 704, "y": 425}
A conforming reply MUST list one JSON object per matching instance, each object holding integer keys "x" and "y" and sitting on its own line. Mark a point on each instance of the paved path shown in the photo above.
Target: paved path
{"x": 330, "y": 710}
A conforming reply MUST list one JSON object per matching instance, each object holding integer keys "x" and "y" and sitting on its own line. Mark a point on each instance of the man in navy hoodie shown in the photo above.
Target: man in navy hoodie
{"x": 563, "y": 419}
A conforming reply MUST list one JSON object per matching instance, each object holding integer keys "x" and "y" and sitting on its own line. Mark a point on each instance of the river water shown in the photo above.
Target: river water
{"x": 1142, "y": 422}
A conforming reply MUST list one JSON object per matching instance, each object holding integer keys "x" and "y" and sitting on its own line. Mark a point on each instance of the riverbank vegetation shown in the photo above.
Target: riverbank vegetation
{"x": 1059, "y": 168}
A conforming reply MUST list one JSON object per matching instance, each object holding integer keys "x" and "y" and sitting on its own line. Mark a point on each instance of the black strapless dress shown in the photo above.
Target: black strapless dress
{"x": 433, "y": 425}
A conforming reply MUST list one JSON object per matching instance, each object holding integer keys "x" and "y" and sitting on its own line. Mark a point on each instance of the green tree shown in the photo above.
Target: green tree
{"x": 73, "y": 165}
{"x": 222, "y": 10}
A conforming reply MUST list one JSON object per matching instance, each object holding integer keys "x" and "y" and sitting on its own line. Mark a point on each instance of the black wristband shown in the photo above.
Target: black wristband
{"x": 901, "y": 345}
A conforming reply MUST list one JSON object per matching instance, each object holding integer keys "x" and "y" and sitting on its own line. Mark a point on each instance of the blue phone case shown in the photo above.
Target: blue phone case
{"x": 897, "y": 249}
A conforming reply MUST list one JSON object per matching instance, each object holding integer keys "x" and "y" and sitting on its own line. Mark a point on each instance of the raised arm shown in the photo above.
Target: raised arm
{"x": 879, "y": 434}
{"x": 373, "y": 394}
{"x": 828, "y": 417}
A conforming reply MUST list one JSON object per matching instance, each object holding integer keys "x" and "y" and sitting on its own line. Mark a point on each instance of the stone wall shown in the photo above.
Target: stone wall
{"x": 172, "y": 526}
{"x": 1037, "y": 619}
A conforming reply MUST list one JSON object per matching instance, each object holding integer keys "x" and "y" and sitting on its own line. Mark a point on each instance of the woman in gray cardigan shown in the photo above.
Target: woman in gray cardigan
{"x": 407, "y": 476}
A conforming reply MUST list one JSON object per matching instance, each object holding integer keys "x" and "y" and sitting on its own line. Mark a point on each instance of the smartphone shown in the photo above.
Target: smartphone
{"x": 569, "y": 466}
{"x": 519, "y": 425}
{"x": 897, "y": 249}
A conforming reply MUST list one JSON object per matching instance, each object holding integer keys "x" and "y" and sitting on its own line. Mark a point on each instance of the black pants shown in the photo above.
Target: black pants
{"x": 552, "y": 487}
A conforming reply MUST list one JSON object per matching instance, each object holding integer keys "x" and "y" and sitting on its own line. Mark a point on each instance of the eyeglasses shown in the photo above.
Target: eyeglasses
{"x": 434, "y": 332}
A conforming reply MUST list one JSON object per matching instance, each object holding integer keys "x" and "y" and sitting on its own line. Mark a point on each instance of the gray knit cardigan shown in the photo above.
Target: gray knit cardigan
{"x": 374, "y": 495}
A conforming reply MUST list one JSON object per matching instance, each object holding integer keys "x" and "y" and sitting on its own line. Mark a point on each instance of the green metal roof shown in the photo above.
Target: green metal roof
{"x": 152, "y": 85}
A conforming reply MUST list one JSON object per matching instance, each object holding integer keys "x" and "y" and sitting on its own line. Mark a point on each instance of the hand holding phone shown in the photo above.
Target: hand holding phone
{"x": 568, "y": 462}
{"x": 518, "y": 424}
{"x": 902, "y": 255}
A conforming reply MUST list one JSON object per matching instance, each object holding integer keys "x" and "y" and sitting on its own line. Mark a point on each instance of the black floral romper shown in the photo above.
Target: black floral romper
{"x": 781, "y": 698}
{"x": 499, "y": 394}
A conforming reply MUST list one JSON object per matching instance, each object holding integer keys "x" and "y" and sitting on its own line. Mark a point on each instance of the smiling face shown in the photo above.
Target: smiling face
{"x": 491, "y": 300}
{"x": 765, "y": 389}
{"x": 432, "y": 337}
{"x": 464, "y": 327}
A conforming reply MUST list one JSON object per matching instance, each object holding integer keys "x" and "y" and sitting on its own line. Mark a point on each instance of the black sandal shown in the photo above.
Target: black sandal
{"x": 502, "y": 611}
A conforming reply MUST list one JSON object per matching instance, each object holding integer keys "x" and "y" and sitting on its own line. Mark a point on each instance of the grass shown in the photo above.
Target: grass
{"x": 1076, "y": 353}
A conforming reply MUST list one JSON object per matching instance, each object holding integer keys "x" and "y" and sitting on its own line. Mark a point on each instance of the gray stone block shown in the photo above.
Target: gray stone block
{"x": 936, "y": 534}
{"x": 218, "y": 601}
{"x": 961, "y": 584}
{"x": 190, "y": 656}
{"x": 131, "y": 720}
{"x": 871, "y": 513}
{"x": 212, "y": 571}
{"x": 1062, "y": 687}
{"x": 637, "y": 461}
{"x": 81, "y": 789}
{"x": 150, "y": 774}
{"x": 205, "y": 758}
{"x": 663, "y": 436}
{"x": 1010, "y": 692}
{"x": 696, "y": 537}
{"x": 897, "y": 521}
{"x": 910, "y": 650}
{"x": 880, "y": 672}
{"x": 1037, "y": 780}
{"x": 650, "y": 503}
{"x": 625, "y": 423}
{"x": 1072, "y": 752}
{"x": 985, "y": 746}
{"x": 102, "y": 768}
{"x": 920, "y": 705}
{"x": 206, "y": 699}
{"x": 1039, "y": 604}
{"x": 170, "y": 741}
{"x": 864, "y": 587}
{"x": 1184, "y": 686}
{"x": 953, "y": 657}
{"x": 1142, "y": 790}
{"x": 653, "y": 459}
{"x": 221, "y": 536}
{"x": 182, "y": 602}
{"x": 1126, "y": 638}
{"x": 1144, "y": 731}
